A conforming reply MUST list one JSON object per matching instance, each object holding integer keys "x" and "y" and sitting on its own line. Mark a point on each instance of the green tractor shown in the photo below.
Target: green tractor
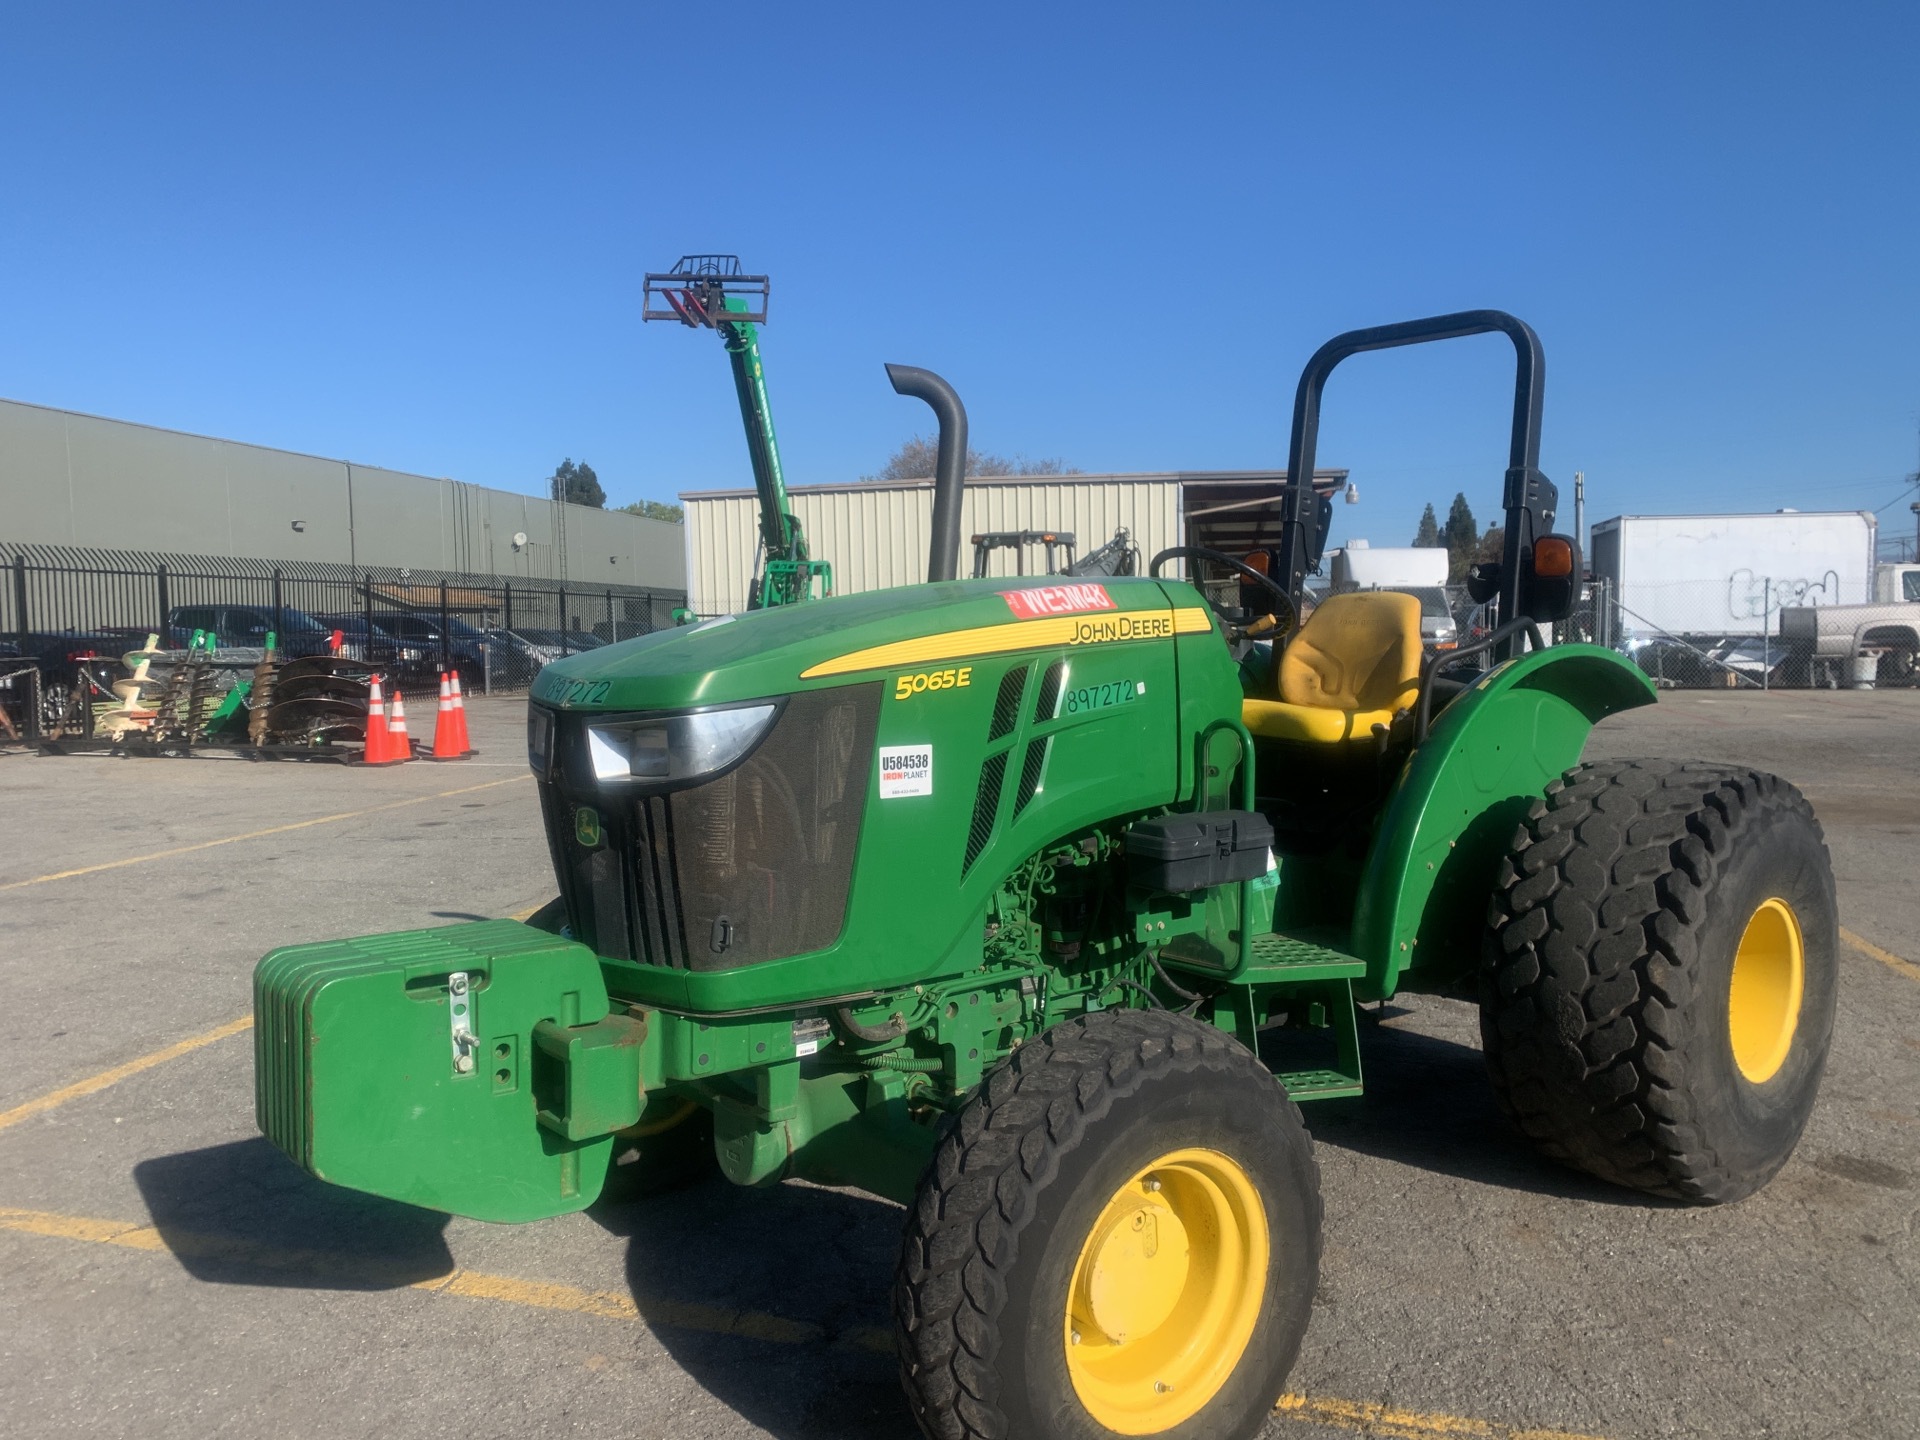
{"x": 1038, "y": 904}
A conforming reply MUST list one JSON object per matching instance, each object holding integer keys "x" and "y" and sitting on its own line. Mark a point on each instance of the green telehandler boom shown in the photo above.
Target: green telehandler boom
{"x": 1040, "y": 903}
{"x": 710, "y": 292}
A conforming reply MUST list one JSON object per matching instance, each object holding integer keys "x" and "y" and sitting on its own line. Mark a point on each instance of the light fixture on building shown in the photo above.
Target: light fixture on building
{"x": 300, "y": 526}
{"x": 519, "y": 539}
{"x": 1353, "y": 493}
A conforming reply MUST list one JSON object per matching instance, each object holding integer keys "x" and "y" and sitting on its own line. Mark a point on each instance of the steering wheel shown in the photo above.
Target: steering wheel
{"x": 1286, "y": 614}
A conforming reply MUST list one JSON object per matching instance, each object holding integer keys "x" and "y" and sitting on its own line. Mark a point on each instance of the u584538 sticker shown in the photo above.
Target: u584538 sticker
{"x": 905, "y": 770}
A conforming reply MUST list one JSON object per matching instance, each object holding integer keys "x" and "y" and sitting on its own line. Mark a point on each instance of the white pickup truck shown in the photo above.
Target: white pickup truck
{"x": 1872, "y": 643}
{"x": 1421, "y": 573}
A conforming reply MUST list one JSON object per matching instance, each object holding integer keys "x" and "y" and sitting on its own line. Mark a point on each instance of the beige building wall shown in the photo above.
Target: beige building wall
{"x": 876, "y": 535}
{"x": 68, "y": 479}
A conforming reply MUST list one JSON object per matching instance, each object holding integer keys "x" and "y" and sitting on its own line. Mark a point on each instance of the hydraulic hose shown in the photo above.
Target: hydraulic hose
{"x": 895, "y": 1027}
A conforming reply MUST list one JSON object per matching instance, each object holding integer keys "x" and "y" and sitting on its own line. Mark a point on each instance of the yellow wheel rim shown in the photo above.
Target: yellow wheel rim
{"x": 1769, "y": 977}
{"x": 1166, "y": 1292}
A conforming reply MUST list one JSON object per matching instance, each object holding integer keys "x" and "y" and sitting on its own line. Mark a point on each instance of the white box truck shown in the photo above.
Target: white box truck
{"x": 1701, "y": 599}
{"x": 1713, "y": 578}
{"x": 1420, "y": 572}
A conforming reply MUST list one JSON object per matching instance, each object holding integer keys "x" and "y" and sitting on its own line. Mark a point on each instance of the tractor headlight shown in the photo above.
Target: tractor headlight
{"x": 539, "y": 739}
{"x": 678, "y": 747}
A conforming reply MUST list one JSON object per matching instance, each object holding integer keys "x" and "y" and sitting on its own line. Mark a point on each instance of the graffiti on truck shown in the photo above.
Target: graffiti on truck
{"x": 1754, "y": 597}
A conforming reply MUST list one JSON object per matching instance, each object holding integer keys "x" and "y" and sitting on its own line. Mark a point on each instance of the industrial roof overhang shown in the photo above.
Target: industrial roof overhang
{"x": 1241, "y": 513}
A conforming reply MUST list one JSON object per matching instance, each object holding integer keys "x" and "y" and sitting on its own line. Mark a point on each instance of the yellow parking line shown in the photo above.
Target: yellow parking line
{"x": 1362, "y": 1417}
{"x": 1886, "y": 957}
{"x": 95, "y": 1083}
{"x": 466, "y": 1284}
{"x": 1392, "y": 1423}
{"x": 257, "y": 834}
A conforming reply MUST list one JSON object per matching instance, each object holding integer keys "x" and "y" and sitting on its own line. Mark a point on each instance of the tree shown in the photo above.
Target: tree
{"x": 1492, "y": 545}
{"x": 576, "y": 485}
{"x": 915, "y": 460}
{"x": 657, "y": 510}
{"x": 1462, "y": 536}
{"x": 1427, "y": 537}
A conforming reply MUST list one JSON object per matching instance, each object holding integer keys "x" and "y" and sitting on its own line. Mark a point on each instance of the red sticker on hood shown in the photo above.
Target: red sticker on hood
{"x": 1043, "y": 600}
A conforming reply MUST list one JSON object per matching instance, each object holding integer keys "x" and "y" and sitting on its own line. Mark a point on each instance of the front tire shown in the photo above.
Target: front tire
{"x": 1657, "y": 993}
{"x": 1119, "y": 1236}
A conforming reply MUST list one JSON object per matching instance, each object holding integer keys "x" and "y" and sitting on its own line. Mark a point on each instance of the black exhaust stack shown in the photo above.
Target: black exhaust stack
{"x": 949, "y": 467}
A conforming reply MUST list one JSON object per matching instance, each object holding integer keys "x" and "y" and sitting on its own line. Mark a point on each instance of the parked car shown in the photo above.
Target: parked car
{"x": 546, "y": 645}
{"x": 463, "y": 647}
{"x": 380, "y": 646}
{"x": 247, "y": 627}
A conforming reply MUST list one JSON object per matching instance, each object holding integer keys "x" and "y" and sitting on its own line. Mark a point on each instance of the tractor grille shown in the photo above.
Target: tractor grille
{"x": 1031, "y": 770}
{"x": 1049, "y": 691}
{"x": 1006, "y": 704}
{"x": 752, "y": 865}
{"x": 986, "y": 803}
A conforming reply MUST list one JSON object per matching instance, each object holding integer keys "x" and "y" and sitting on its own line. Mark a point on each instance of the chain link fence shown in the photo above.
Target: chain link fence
{"x": 1746, "y": 632}
{"x": 67, "y": 615}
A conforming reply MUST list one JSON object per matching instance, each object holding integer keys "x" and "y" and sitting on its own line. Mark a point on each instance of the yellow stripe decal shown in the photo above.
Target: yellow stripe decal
{"x": 1093, "y": 628}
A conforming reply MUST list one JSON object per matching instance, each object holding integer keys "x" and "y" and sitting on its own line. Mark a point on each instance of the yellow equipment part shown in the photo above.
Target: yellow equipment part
{"x": 1352, "y": 666}
{"x": 1769, "y": 978}
{"x": 1166, "y": 1292}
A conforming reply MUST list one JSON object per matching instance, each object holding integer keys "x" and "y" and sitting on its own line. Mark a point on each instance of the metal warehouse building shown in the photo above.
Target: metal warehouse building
{"x": 81, "y": 482}
{"x": 876, "y": 534}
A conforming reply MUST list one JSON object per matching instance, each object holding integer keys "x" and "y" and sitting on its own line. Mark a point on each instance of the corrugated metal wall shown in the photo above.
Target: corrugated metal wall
{"x": 876, "y": 534}
{"x": 79, "y": 480}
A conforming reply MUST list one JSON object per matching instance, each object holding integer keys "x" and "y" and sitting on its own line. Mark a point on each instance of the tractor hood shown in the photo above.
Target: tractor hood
{"x": 830, "y": 642}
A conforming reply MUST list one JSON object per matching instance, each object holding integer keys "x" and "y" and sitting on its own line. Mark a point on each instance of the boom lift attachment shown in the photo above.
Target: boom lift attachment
{"x": 711, "y": 292}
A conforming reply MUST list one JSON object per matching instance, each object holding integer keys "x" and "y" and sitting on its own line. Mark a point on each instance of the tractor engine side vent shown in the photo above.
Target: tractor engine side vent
{"x": 1050, "y": 691}
{"x": 1006, "y": 705}
{"x": 985, "y": 805}
{"x": 1030, "y": 771}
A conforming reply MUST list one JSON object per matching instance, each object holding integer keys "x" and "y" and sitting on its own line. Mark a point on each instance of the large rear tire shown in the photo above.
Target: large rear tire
{"x": 1658, "y": 985}
{"x": 1120, "y": 1235}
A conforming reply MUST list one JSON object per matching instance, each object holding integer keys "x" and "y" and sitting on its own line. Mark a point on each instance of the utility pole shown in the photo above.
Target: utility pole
{"x": 1580, "y": 512}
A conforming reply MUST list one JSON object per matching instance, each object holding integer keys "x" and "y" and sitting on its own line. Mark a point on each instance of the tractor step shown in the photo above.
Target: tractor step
{"x": 1287, "y": 959}
{"x": 1319, "y": 1084}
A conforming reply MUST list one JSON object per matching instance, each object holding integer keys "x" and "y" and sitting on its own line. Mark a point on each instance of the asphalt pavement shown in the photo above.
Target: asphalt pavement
{"x": 166, "y": 1273}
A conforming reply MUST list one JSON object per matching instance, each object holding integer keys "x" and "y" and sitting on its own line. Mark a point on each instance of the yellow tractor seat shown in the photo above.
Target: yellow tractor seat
{"x": 1352, "y": 666}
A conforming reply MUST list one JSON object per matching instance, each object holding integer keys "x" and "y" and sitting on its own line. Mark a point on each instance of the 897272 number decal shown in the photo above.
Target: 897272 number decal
{"x": 1100, "y": 697}
{"x": 571, "y": 692}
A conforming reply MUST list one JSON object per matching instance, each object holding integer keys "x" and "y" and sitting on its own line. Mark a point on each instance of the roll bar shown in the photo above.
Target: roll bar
{"x": 1529, "y": 499}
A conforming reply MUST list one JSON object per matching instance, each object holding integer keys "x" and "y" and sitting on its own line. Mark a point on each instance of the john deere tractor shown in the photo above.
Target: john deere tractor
{"x": 1039, "y": 905}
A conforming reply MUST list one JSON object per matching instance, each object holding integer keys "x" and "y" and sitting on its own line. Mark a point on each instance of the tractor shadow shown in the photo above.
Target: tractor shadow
{"x": 244, "y": 1214}
{"x": 774, "y": 1301}
{"x": 1428, "y": 1104}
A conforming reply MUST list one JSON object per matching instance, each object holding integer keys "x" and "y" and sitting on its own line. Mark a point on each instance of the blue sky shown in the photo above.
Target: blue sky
{"x": 414, "y": 235}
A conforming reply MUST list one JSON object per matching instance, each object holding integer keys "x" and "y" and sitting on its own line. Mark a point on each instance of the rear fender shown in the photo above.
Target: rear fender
{"x": 1453, "y": 811}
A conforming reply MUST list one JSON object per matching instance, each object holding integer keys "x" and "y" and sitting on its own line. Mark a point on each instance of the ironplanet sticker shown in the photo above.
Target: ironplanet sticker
{"x": 1041, "y": 601}
{"x": 906, "y": 770}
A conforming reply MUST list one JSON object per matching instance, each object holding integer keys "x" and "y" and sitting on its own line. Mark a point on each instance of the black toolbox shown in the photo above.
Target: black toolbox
{"x": 1174, "y": 853}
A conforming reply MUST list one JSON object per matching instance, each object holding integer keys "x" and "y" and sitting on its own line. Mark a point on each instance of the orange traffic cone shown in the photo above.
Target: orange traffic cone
{"x": 460, "y": 717}
{"x": 397, "y": 729}
{"x": 380, "y": 748}
{"x": 446, "y": 738}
